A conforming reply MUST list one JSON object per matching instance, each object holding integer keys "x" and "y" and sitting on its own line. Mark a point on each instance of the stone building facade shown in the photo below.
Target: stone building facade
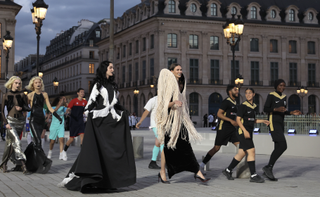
{"x": 279, "y": 41}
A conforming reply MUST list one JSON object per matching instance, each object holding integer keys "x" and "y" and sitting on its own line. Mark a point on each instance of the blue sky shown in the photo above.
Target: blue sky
{"x": 61, "y": 15}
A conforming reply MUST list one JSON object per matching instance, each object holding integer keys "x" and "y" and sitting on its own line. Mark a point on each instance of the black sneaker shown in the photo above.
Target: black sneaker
{"x": 153, "y": 165}
{"x": 268, "y": 173}
{"x": 228, "y": 174}
{"x": 257, "y": 179}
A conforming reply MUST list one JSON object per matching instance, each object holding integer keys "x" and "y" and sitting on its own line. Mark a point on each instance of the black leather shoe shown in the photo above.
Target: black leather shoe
{"x": 153, "y": 165}
{"x": 201, "y": 179}
{"x": 162, "y": 181}
{"x": 268, "y": 173}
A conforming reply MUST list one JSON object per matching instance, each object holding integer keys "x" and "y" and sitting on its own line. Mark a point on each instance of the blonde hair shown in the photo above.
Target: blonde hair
{"x": 30, "y": 86}
{"x": 9, "y": 83}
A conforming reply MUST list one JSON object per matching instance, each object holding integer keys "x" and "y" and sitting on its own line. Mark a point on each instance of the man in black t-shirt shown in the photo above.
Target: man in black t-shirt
{"x": 227, "y": 127}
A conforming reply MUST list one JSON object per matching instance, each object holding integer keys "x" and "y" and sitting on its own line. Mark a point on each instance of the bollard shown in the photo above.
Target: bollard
{"x": 243, "y": 170}
{"x": 207, "y": 166}
{"x": 137, "y": 143}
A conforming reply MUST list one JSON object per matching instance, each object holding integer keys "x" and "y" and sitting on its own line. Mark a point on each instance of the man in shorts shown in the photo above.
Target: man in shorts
{"x": 76, "y": 123}
{"x": 227, "y": 127}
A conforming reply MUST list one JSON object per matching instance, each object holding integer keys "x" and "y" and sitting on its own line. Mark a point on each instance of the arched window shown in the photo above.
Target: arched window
{"x": 312, "y": 104}
{"x": 142, "y": 100}
{"x": 215, "y": 100}
{"x": 253, "y": 12}
{"x": 310, "y": 16}
{"x": 213, "y": 9}
{"x": 234, "y": 10}
{"x": 294, "y": 102}
{"x": 292, "y": 15}
{"x": 128, "y": 102}
{"x": 193, "y": 8}
{"x": 194, "y": 104}
{"x": 172, "y": 6}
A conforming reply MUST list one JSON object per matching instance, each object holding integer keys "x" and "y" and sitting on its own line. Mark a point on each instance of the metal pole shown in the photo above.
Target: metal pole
{"x": 7, "y": 64}
{"x": 111, "y": 31}
{"x": 37, "y": 63}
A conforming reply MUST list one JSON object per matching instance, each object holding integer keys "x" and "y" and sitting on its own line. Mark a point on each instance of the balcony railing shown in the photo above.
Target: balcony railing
{"x": 256, "y": 83}
{"x": 142, "y": 82}
{"x": 313, "y": 84}
{"x": 128, "y": 85}
{"x": 294, "y": 84}
{"x": 121, "y": 85}
{"x": 135, "y": 84}
{"x": 216, "y": 82}
{"x": 195, "y": 81}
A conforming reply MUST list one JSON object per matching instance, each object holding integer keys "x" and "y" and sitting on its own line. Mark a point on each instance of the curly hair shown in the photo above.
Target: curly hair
{"x": 101, "y": 78}
{"x": 30, "y": 86}
{"x": 9, "y": 83}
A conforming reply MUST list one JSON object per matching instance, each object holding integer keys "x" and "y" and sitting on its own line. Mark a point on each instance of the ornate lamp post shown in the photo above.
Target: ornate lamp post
{"x": 7, "y": 44}
{"x": 136, "y": 92}
{"x": 38, "y": 13}
{"x": 154, "y": 80}
{"x": 302, "y": 91}
{"x": 233, "y": 29}
{"x": 55, "y": 84}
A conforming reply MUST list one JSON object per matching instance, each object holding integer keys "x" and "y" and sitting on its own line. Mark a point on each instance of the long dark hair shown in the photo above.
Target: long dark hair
{"x": 101, "y": 78}
{"x": 57, "y": 99}
{"x": 181, "y": 79}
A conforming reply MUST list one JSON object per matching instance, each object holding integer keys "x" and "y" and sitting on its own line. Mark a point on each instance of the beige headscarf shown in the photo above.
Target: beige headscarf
{"x": 170, "y": 123}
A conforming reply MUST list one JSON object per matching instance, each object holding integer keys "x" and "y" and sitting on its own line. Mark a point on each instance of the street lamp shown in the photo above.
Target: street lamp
{"x": 154, "y": 80}
{"x": 25, "y": 91}
{"x": 302, "y": 91}
{"x": 55, "y": 84}
{"x": 7, "y": 44}
{"x": 38, "y": 13}
{"x": 233, "y": 29}
{"x": 136, "y": 92}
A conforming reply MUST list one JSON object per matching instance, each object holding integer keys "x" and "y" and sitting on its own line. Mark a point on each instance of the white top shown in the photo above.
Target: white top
{"x": 210, "y": 118}
{"x": 151, "y": 107}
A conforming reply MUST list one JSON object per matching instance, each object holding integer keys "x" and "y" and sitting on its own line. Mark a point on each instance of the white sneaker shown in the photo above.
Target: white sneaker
{"x": 60, "y": 156}
{"x": 64, "y": 156}
{"x": 49, "y": 154}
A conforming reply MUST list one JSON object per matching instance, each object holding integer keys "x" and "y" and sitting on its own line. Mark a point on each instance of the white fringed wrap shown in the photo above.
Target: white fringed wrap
{"x": 170, "y": 123}
{"x": 109, "y": 108}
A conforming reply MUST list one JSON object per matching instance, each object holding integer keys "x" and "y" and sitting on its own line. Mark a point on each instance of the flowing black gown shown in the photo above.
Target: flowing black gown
{"x": 37, "y": 160}
{"x": 106, "y": 158}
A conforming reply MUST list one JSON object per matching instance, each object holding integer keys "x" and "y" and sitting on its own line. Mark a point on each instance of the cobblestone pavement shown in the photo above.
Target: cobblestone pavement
{"x": 298, "y": 176}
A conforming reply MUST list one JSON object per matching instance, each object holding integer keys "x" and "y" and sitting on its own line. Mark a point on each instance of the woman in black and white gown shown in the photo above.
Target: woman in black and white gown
{"x": 106, "y": 158}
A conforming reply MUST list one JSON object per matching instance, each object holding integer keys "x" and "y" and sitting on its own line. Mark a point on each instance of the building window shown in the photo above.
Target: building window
{"x": 253, "y": 12}
{"x": 137, "y": 46}
{"x": 91, "y": 54}
{"x": 234, "y": 10}
{"x": 311, "y": 74}
{"x": 194, "y": 70}
{"x": 312, "y": 104}
{"x": 172, "y": 60}
{"x": 292, "y": 15}
{"x": 144, "y": 44}
{"x": 254, "y": 44}
{"x": 273, "y": 71}
{"x": 311, "y": 47}
{"x": 91, "y": 43}
{"x": 97, "y": 34}
{"x": 172, "y": 40}
{"x": 137, "y": 71}
{"x": 254, "y": 73}
{"x": 234, "y": 69}
{"x": 144, "y": 69}
{"x": 130, "y": 49}
{"x": 124, "y": 50}
{"x": 214, "y": 68}
{"x": 91, "y": 68}
{"x": 273, "y": 14}
{"x": 130, "y": 72}
{"x": 172, "y": 6}
{"x": 214, "y": 43}
{"x": 193, "y": 8}
{"x": 213, "y": 9}
{"x": 123, "y": 74}
{"x": 151, "y": 67}
{"x": 293, "y": 74}
{"x": 194, "y": 104}
{"x": 310, "y": 16}
{"x": 273, "y": 46}
{"x": 292, "y": 46}
{"x": 193, "y": 41}
{"x": 152, "y": 41}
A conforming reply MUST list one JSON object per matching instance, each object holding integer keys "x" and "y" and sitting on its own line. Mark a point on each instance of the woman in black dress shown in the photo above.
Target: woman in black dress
{"x": 175, "y": 129}
{"x": 37, "y": 161}
{"x": 106, "y": 158}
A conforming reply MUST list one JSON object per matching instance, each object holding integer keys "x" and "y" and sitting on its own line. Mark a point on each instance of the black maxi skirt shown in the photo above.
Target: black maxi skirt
{"x": 106, "y": 159}
{"x": 181, "y": 158}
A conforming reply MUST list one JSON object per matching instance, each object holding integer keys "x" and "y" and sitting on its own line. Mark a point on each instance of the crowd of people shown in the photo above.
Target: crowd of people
{"x": 106, "y": 159}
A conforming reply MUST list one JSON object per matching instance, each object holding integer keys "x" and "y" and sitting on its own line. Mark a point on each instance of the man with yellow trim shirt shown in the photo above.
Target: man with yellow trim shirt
{"x": 275, "y": 106}
{"x": 227, "y": 127}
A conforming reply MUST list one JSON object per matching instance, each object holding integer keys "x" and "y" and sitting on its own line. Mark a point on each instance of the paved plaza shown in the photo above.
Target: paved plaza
{"x": 298, "y": 176}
